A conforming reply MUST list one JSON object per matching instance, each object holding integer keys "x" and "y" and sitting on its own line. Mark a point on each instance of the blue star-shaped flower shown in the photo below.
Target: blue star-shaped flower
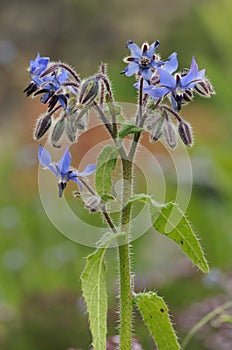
{"x": 62, "y": 169}
{"x": 177, "y": 86}
{"x": 142, "y": 61}
{"x": 170, "y": 65}
{"x": 39, "y": 65}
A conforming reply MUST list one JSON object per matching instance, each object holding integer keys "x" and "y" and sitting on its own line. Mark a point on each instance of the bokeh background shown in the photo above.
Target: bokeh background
{"x": 40, "y": 298}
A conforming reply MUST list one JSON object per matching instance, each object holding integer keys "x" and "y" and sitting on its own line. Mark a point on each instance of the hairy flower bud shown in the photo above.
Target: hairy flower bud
{"x": 169, "y": 134}
{"x": 156, "y": 128}
{"x": 204, "y": 88}
{"x": 93, "y": 204}
{"x": 57, "y": 131}
{"x": 42, "y": 125}
{"x": 88, "y": 91}
{"x": 71, "y": 128}
{"x": 184, "y": 130}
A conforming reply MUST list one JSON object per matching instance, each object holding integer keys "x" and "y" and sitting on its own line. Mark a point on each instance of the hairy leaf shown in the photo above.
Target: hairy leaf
{"x": 127, "y": 129}
{"x": 182, "y": 233}
{"x": 94, "y": 289}
{"x": 95, "y": 294}
{"x": 155, "y": 314}
{"x": 106, "y": 163}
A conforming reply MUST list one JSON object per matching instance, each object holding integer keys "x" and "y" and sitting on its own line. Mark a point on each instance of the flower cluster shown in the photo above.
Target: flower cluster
{"x": 67, "y": 98}
{"x": 168, "y": 89}
{"x": 163, "y": 91}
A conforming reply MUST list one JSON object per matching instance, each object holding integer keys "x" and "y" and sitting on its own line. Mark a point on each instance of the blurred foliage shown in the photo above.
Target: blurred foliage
{"x": 39, "y": 268}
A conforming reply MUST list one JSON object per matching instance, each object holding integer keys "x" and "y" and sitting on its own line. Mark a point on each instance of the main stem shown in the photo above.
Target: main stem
{"x": 126, "y": 286}
{"x": 124, "y": 259}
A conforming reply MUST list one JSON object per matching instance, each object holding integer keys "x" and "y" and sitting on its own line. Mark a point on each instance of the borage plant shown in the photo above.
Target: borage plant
{"x": 162, "y": 92}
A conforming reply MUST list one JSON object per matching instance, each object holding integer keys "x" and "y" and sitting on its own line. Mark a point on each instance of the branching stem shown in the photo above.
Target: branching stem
{"x": 103, "y": 207}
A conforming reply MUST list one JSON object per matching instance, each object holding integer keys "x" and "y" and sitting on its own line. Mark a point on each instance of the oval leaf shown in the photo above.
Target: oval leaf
{"x": 106, "y": 163}
{"x": 155, "y": 314}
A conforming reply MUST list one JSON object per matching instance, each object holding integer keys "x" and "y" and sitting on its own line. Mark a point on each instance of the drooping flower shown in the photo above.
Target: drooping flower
{"x": 62, "y": 169}
{"x": 142, "y": 61}
{"x": 179, "y": 86}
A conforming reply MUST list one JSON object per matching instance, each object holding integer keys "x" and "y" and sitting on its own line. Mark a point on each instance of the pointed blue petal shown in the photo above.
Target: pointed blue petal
{"x": 172, "y": 64}
{"x": 167, "y": 79}
{"x": 134, "y": 49}
{"x": 90, "y": 169}
{"x": 45, "y": 159}
{"x": 201, "y": 74}
{"x": 157, "y": 92}
{"x": 44, "y": 156}
{"x": 64, "y": 163}
{"x": 63, "y": 76}
{"x": 190, "y": 76}
{"x": 152, "y": 48}
{"x": 131, "y": 69}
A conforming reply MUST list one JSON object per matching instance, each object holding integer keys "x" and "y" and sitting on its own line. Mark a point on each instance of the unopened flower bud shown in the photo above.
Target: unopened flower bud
{"x": 42, "y": 125}
{"x": 81, "y": 125}
{"x": 71, "y": 128}
{"x": 169, "y": 134}
{"x": 57, "y": 131}
{"x": 157, "y": 128}
{"x": 204, "y": 88}
{"x": 93, "y": 204}
{"x": 88, "y": 91}
{"x": 184, "y": 130}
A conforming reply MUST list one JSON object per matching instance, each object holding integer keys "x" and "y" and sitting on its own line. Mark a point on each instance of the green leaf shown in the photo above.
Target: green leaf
{"x": 95, "y": 294}
{"x": 155, "y": 314}
{"x": 127, "y": 129}
{"x": 182, "y": 234}
{"x": 106, "y": 163}
{"x": 94, "y": 289}
{"x": 107, "y": 197}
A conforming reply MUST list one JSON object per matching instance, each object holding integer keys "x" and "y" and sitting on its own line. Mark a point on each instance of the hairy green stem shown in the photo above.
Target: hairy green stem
{"x": 126, "y": 287}
{"x": 124, "y": 259}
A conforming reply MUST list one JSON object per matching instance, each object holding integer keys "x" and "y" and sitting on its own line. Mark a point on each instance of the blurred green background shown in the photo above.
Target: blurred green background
{"x": 40, "y": 298}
